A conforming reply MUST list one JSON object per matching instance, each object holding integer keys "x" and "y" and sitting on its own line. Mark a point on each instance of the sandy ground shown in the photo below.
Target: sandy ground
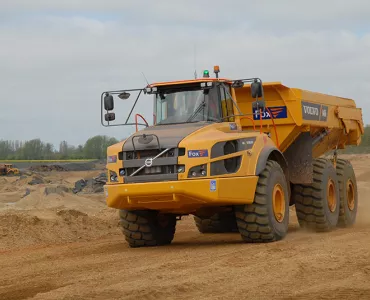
{"x": 65, "y": 246}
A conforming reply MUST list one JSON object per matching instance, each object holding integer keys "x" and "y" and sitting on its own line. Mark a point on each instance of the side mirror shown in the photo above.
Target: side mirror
{"x": 110, "y": 117}
{"x": 108, "y": 102}
{"x": 124, "y": 96}
{"x": 256, "y": 89}
{"x": 237, "y": 84}
{"x": 259, "y": 104}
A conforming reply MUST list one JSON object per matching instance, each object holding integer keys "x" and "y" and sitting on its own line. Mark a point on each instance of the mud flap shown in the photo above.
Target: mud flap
{"x": 299, "y": 159}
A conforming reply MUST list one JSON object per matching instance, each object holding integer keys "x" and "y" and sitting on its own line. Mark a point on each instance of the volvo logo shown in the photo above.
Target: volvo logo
{"x": 148, "y": 162}
{"x": 311, "y": 110}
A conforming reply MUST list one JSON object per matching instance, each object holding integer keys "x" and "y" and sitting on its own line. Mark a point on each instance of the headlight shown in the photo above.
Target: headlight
{"x": 198, "y": 171}
{"x": 180, "y": 169}
{"x": 122, "y": 172}
{"x": 112, "y": 159}
{"x": 113, "y": 176}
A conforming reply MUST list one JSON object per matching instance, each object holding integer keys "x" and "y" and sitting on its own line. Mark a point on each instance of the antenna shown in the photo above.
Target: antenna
{"x": 195, "y": 61}
{"x": 145, "y": 78}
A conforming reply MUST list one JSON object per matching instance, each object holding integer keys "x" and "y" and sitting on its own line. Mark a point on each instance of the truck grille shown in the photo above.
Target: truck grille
{"x": 164, "y": 168}
{"x": 169, "y": 169}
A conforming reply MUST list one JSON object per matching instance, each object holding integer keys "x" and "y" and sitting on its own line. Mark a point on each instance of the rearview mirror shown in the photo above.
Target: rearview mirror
{"x": 256, "y": 89}
{"x": 259, "y": 104}
{"x": 124, "y": 95}
{"x": 110, "y": 117}
{"x": 108, "y": 102}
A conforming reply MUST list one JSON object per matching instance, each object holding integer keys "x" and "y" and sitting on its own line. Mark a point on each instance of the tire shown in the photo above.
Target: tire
{"x": 218, "y": 223}
{"x": 267, "y": 218}
{"x": 144, "y": 228}
{"x": 347, "y": 192}
{"x": 317, "y": 204}
{"x": 10, "y": 174}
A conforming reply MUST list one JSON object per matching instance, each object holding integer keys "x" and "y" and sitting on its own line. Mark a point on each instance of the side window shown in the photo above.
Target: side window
{"x": 161, "y": 110}
{"x": 226, "y": 104}
{"x": 164, "y": 110}
{"x": 213, "y": 104}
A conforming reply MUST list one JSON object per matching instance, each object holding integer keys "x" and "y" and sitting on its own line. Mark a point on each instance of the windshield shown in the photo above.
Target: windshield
{"x": 187, "y": 106}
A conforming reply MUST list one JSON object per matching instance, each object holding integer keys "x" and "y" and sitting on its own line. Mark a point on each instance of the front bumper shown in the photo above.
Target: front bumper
{"x": 183, "y": 196}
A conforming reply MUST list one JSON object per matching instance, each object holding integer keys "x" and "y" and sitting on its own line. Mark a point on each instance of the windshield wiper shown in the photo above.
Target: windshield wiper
{"x": 199, "y": 108}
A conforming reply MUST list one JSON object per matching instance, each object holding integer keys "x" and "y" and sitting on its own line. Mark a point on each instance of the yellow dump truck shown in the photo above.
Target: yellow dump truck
{"x": 8, "y": 170}
{"x": 235, "y": 154}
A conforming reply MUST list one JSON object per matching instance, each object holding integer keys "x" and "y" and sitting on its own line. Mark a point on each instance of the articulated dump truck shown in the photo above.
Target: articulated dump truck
{"x": 235, "y": 154}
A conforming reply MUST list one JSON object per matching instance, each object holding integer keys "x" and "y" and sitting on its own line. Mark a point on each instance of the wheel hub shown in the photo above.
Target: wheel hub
{"x": 331, "y": 196}
{"x": 278, "y": 203}
{"x": 350, "y": 195}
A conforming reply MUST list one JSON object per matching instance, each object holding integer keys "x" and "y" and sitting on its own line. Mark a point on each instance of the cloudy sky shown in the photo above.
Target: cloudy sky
{"x": 57, "y": 57}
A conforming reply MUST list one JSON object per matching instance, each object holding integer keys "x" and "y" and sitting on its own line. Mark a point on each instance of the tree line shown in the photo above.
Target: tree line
{"x": 364, "y": 147}
{"x": 94, "y": 148}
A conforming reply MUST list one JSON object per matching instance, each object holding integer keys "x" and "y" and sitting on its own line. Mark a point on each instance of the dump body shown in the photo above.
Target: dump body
{"x": 306, "y": 124}
{"x": 296, "y": 111}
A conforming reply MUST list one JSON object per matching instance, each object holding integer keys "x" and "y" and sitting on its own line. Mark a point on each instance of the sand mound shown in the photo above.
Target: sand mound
{"x": 19, "y": 229}
{"x": 50, "y": 197}
{"x": 42, "y": 209}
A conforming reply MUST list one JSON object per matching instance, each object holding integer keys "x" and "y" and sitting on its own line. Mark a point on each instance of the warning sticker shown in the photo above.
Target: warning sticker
{"x": 213, "y": 186}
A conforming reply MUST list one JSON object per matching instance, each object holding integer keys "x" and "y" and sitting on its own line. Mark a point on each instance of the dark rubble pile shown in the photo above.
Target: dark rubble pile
{"x": 62, "y": 167}
{"x": 93, "y": 185}
{"x": 47, "y": 168}
{"x": 60, "y": 190}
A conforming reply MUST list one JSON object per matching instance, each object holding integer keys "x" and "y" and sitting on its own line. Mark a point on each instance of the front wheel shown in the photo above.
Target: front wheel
{"x": 143, "y": 228}
{"x": 267, "y": 218}
{"x": 218, "y": 223}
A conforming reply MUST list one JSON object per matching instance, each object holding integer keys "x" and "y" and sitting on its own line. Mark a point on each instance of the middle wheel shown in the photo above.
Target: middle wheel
{"x": 317, "y": 205}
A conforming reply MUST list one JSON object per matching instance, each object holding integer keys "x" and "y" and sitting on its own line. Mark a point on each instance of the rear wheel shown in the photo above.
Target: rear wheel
{"x": 317, "y": 204}
{"x": 347, "y": 193}
{"x": 266, "y": 219}
{"x": 218, "y": 223}
{"x": 143, "y": 228}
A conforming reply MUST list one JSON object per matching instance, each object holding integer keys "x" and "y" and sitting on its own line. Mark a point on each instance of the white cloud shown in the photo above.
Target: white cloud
{"x": 57, "y": 57}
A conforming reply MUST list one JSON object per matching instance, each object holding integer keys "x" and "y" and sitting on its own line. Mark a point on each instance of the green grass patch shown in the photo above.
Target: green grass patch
{"x": 47, "y": 161}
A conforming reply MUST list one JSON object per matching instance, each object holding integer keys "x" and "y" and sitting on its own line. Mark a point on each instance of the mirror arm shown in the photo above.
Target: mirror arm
{"x": 126, "y": 124}
{"x": 250, "y": 80}
{"x": 114, "y": 93}
{"x": 137, "y": 98}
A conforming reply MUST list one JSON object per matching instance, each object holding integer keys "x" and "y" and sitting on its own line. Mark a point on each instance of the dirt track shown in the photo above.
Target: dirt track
{"x": 61, "y": 257}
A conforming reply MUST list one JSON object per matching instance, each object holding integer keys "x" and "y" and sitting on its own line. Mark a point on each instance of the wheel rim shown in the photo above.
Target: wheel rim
{"x": 331, "y": 197}
{"x": 350, "y": 195}
{"x": 278, "y": 203}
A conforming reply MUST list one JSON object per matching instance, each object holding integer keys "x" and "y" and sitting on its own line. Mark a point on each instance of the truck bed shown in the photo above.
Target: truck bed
{"x": 296, "y": 111}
